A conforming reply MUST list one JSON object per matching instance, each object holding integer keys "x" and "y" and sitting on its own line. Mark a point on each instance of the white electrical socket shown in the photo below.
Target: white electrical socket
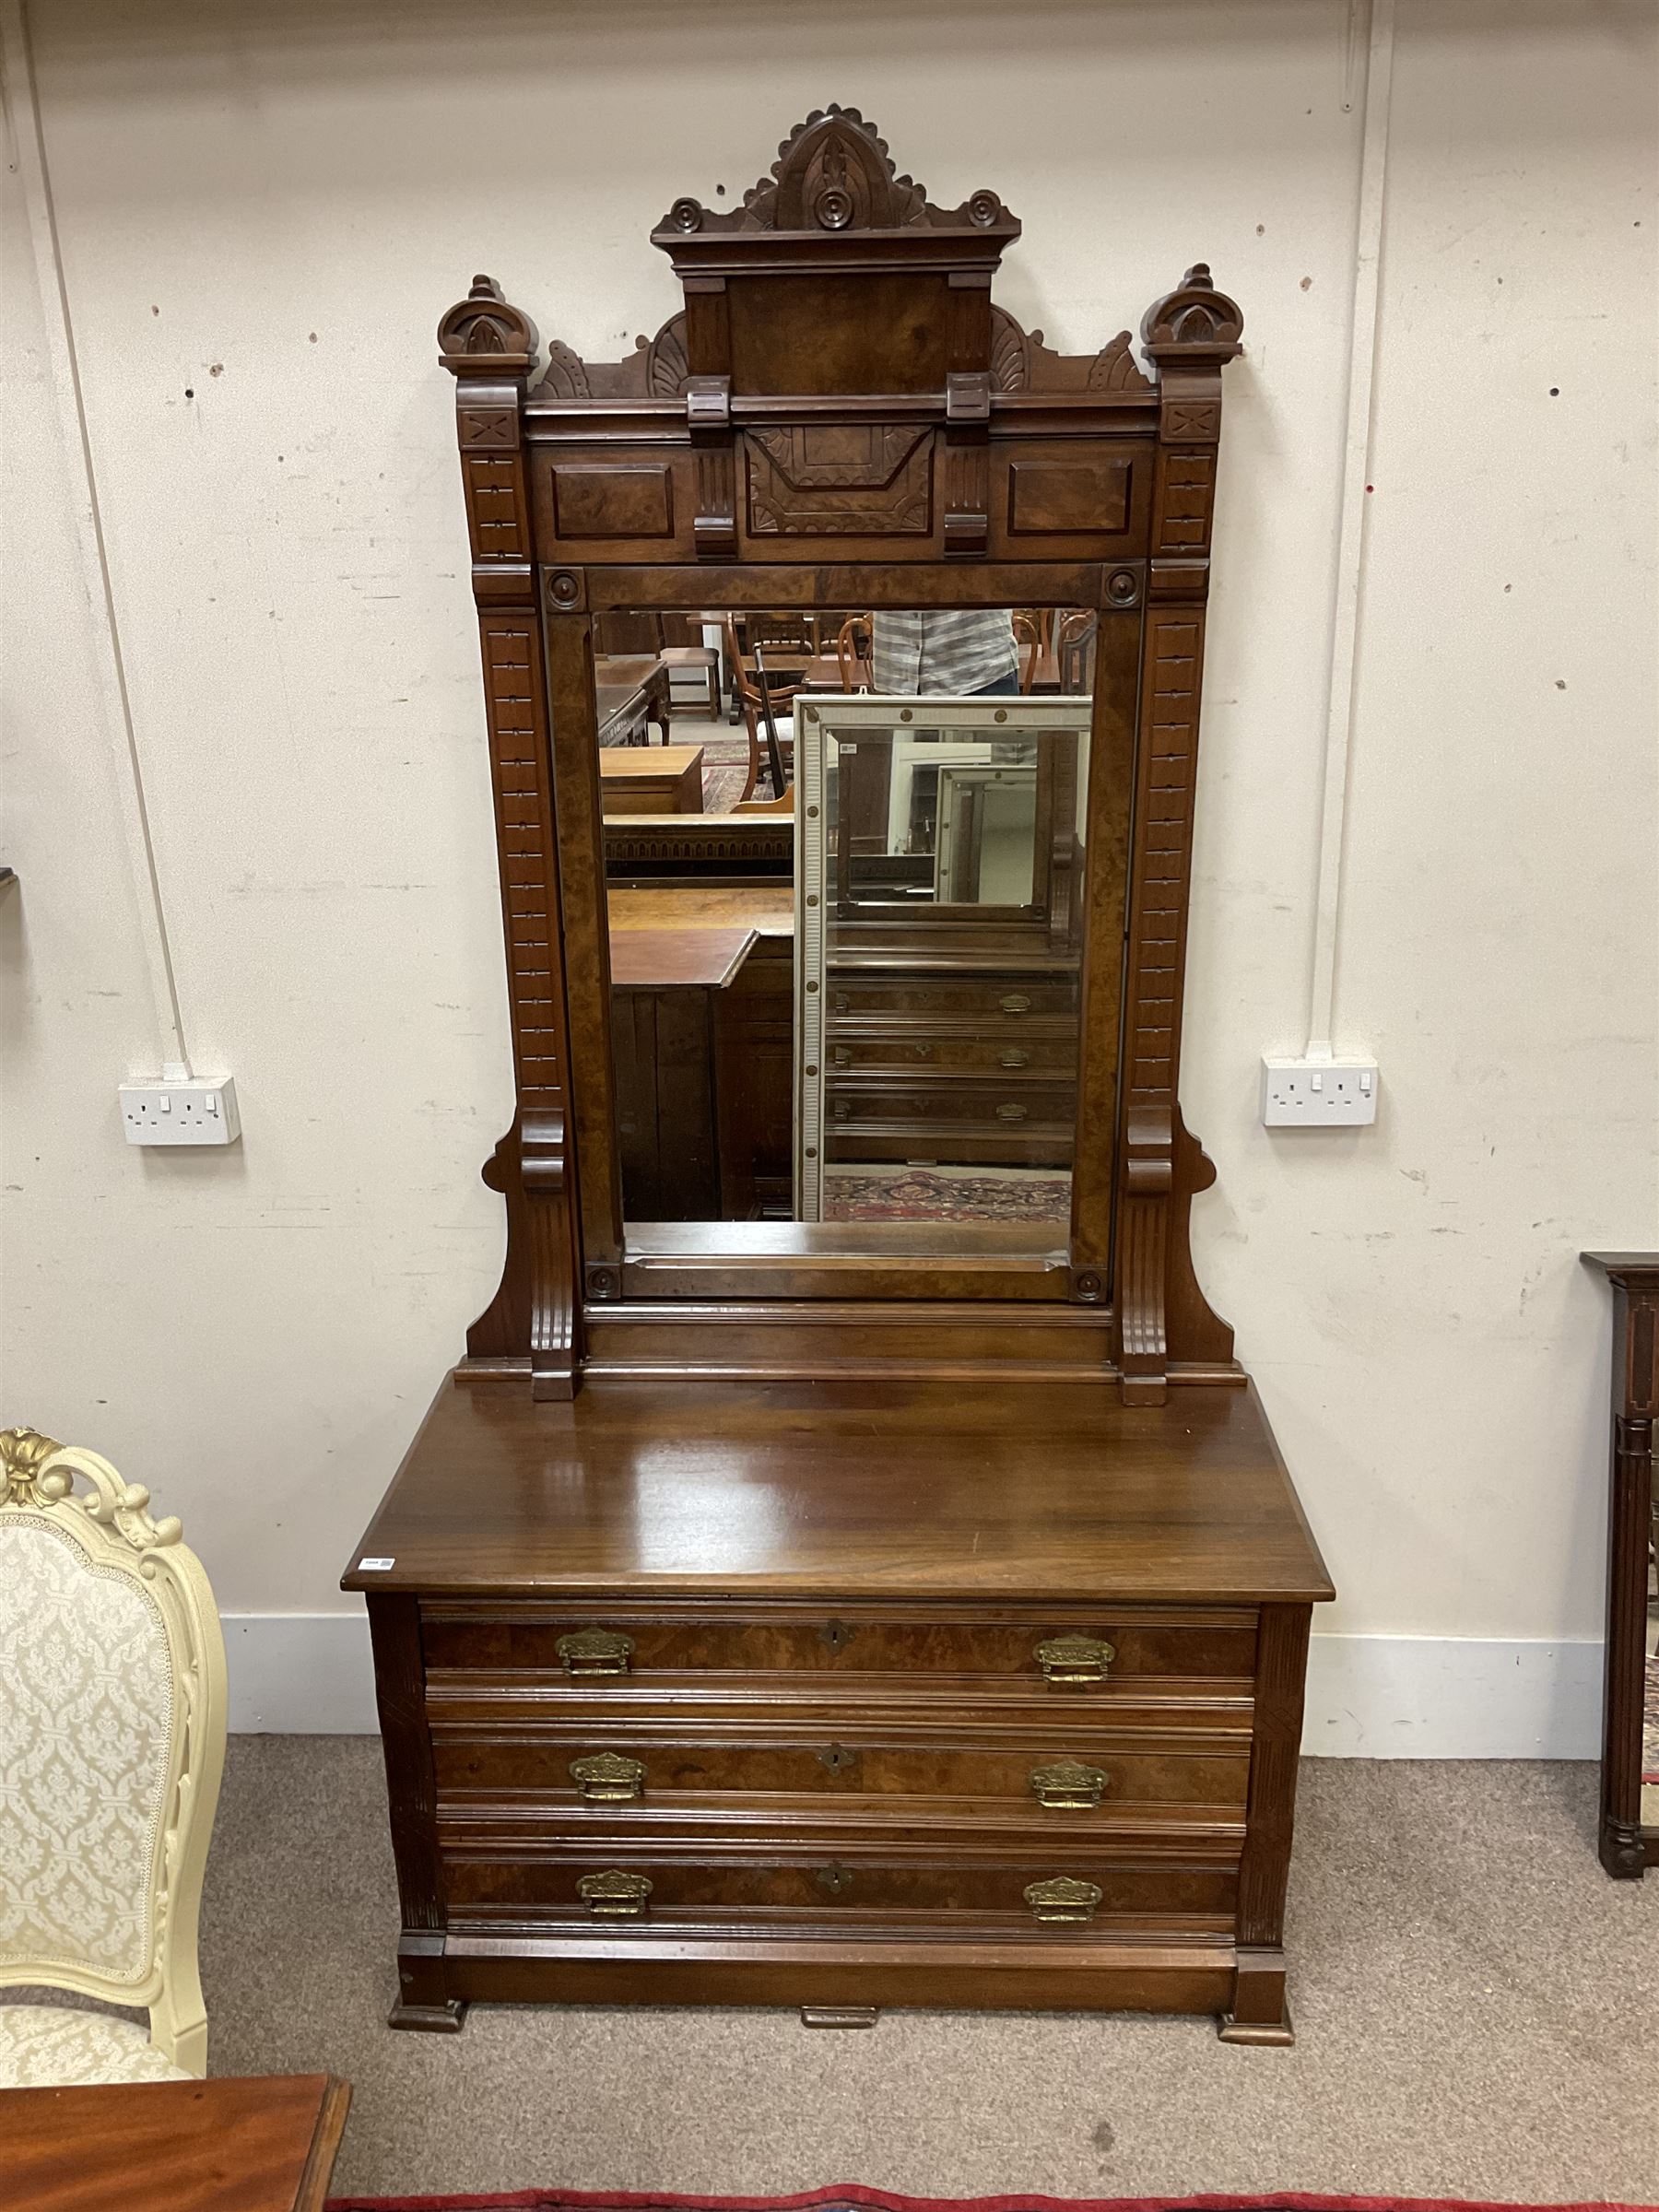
{"x": 1317, "y": 1094}
{"x": 167, "y": 1112}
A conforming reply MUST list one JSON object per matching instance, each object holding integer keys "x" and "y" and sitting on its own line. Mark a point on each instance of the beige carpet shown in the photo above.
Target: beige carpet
{"x": 1478, "y": 2006}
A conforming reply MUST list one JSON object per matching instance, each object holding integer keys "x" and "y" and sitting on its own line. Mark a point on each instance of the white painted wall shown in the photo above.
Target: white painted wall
{"x": 266, "y": 207}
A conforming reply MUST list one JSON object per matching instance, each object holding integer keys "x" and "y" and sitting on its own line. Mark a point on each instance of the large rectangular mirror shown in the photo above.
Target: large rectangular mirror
{"x": 847, "y": 865}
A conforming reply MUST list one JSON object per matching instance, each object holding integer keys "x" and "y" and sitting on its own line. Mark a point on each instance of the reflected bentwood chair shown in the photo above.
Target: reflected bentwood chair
{"x": 760, "y": 693}
{"x": 111, "y": 1746}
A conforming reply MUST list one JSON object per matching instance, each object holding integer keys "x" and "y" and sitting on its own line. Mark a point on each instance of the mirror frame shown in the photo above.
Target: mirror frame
{"x": 934, "y": 455}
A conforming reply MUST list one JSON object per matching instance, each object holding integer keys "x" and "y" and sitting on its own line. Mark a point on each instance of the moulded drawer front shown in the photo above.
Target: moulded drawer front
{"x": 1001, "y": 1001}
{"x": 897, "y": 1052}
{"x": 560, "y": 1649}
{"x": 1065, "y": 1779}
{"x": 734, "y": 1887}
{"x": 973, "y": 1104}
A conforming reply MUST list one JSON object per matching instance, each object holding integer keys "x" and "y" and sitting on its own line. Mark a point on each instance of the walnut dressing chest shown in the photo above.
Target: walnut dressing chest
{"x": 890, "y": 1593}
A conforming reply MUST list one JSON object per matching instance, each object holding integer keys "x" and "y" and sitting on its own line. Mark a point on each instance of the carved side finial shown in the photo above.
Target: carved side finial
{"x": 484, "y": 333}
{"x": 23, "y": 1453}
{"x": 1193, "y": 324}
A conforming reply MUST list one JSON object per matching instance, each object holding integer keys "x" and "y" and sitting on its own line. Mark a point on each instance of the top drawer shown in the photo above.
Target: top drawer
{"x": 1066, "y": 1651}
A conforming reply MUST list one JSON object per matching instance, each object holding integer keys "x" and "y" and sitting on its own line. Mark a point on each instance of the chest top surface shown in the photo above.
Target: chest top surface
{"x": 850, "y": 1490}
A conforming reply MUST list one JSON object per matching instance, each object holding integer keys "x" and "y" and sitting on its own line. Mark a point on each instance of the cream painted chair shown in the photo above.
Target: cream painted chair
{"x": 111, "y": 1746}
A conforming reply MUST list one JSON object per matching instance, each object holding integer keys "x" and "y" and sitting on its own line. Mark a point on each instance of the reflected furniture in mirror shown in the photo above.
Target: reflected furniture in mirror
{"x": 846, "y": 1569}
{"x": 1629, "y": 1792}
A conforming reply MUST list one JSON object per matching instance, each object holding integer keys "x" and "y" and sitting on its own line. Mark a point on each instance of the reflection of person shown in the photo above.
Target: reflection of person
{"x": 945, "y": 653}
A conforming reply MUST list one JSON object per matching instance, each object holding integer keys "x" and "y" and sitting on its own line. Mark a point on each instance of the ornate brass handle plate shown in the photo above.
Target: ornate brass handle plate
{"x": 614, "y": 1895}
{"x": 1010, "y": 1113}
{"x": 1016, "y": 1002}
{"x": 837, "y": 1879}
{"x": 608, "y": 1779}
{"x": 1068, "y": 1782}
{"x": 1074, "y": 1659}
{"x": 597, "y": 1652}
{"x": 1064, "y": 1898}
{"x": 1014, "y": 1057}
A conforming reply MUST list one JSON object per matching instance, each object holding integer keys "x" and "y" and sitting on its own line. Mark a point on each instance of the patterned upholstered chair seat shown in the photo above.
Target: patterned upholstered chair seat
{"x": 51, "y": 2047}
{"x": 111, "y": 1743}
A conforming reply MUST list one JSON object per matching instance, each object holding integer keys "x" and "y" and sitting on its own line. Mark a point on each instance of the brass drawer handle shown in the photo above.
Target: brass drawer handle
{"x": 617, "y": 1895}
{"x": 1064, "y": 1898}
{"x": 1074, "y": 1659}
{"x": 1016, "y": 1002}
{"x": 1014, "y": 1057}
{"x": 1068, "y": 1782}
{"x": 1010, "y": 1113}
{"x": 607, "y": 1779}
{"x": 843, "y": 1055}
{"x": 597, "y": 1652}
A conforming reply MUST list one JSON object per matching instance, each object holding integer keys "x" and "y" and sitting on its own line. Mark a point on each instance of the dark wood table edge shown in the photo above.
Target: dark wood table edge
{"x": 313, "y": 2193}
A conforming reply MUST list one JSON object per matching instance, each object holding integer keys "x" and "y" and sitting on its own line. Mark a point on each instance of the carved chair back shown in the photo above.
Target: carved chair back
{"x": 111, "y": 1740}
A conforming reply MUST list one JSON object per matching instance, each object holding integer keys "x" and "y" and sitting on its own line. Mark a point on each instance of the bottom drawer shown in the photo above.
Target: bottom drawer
{"x": 614, "y": 1892}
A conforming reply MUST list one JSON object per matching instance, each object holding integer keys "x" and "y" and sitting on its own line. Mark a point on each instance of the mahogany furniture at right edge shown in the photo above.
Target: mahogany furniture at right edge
{"x": 1629, "y": 1844}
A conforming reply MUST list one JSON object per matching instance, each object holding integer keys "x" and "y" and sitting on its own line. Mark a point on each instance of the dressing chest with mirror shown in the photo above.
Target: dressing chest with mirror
{"x": 849, "y": 1567}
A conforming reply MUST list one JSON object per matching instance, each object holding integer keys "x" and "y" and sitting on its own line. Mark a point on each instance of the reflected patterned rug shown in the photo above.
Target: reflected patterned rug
{"x": 1650, "y": 1725}
{"x": 906, "y": 1194}
{"x": 878, "y": 2200}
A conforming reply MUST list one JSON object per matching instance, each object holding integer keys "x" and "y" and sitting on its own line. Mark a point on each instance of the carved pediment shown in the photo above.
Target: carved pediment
{"x": 1021, "y": 362}
{"x": 833, "y": 173}
{"x": 655, "y": 369}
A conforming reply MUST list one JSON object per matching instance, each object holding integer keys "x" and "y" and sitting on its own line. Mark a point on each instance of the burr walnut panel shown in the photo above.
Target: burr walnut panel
{"x": 613, "y": 500}
{"x": 840, "y": 1886}
{"x": 904, "y": 1771}
{"x": 845, "y": 1644}
{"x": 633, "y": 503}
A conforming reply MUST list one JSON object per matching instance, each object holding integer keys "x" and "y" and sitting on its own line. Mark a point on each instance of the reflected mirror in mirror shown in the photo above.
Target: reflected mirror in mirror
{"x": 857, "y": 1010}
{"x": 938, "y": 1008}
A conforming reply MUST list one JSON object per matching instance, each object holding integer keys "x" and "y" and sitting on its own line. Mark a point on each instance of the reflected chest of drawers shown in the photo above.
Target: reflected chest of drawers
{"x": 841, "y": 1696}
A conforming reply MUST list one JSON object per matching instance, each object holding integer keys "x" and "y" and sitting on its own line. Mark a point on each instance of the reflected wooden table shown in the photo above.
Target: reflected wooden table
{"x": 266, "y": 2144}
{"x": 659, "y": 778}
{"x": 630, "y": 692}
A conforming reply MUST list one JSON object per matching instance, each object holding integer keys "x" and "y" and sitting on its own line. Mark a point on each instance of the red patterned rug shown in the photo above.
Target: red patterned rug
{"x": 1650, "y": 1728}
{"x": 880, "y": 2200}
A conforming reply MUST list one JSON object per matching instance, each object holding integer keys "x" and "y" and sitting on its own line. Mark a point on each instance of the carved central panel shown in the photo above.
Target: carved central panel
{"x": 840, "y": 480}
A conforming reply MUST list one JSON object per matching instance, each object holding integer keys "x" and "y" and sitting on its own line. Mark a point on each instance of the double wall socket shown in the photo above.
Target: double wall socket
{"x": 1317, "y": 1094}
{"x": 179, "y": 1114}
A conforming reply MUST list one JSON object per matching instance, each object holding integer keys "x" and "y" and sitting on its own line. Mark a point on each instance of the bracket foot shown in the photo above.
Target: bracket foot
{"x": 1274, "y": 2035}
{"x": 447, "y": 2018}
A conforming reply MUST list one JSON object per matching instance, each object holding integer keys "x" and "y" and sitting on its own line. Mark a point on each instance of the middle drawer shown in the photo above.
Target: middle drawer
{"x": 898, "y": 1770}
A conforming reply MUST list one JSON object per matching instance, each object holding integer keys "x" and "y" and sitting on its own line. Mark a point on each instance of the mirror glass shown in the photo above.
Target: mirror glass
{"x": 846, "y": 857}
{"x": 1650, "y": 1708}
